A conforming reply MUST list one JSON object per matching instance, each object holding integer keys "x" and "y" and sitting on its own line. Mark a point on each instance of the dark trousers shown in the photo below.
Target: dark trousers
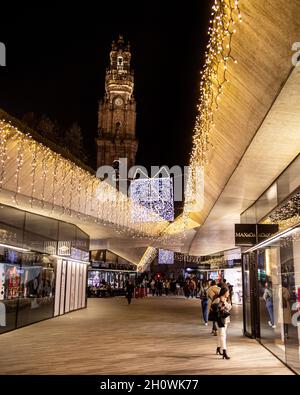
{"x": 214, "y": 327}
{"x": 204, "y": 304}
{"x": 269, "y": 305}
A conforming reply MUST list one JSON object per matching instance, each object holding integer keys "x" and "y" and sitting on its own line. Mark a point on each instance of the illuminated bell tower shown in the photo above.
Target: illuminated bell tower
{"x": 117, "y": 111}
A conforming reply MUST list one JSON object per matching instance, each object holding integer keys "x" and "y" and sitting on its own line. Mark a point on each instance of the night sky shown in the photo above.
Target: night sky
{"x": 57, "y": 56}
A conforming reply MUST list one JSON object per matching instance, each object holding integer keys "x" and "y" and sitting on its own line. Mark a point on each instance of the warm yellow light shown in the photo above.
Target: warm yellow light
{"x": 225, "y": 15}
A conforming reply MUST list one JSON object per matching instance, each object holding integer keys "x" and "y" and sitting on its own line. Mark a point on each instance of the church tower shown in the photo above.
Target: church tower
{"x": 117, "y": 111}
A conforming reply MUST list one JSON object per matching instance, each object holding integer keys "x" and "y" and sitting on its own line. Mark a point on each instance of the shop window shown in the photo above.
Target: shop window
{"x": 9, "y": 293}
{"x": 37, "y": 289}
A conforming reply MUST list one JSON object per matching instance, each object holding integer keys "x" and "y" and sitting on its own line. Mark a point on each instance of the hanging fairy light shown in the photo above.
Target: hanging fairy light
{"x": 60, "y": 175}
{"x": 44, "y": 176}
{"x": 79, "y": 180}
{"x": 86, "y": 192}
{"x": 54, "y": 180}
{"x": 225, "y": 14}
{"x": 287, "y": 214}
{"x": 71, "y": 188}
{"x": 33, "y": 172}
{"x": 147, "y": 259}
{"x": 65, "y": 172}
{"x": 91, "y": 198}
{"x": 3, "y": 152}
{"x": 19, "y": 164}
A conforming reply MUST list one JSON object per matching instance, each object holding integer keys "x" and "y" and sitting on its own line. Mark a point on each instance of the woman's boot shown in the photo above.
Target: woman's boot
{"x": 225, "y": 356}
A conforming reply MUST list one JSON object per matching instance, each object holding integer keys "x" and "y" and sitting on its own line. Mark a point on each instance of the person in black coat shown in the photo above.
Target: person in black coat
{"x": 129, "y": 289}
{"x": 222, "y": 310}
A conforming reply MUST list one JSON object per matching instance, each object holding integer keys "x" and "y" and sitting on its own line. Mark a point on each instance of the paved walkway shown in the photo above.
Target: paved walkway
{"x": 156, "y": 335}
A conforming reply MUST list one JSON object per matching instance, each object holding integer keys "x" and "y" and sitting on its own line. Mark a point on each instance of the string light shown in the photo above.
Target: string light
{"x": 44, "y": 176}
{"x": 64, "y": 180}
{"x": 287, "y": 215}
{"x": 19, "y": 164}
{"x": 3, "y": 155}
{"x": 146, "y": 259}
{"x": 152, "y": 199}
{"x": 54, "y": 180}
{"x": 59, "y": 175}
{"x": 225, "y": 14}
{"x": 165, "y": 257}
{"x": 33, "y": 171}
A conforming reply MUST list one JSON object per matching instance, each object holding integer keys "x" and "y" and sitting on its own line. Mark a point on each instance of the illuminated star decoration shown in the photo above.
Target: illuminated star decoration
{"x": 165, "y": 257}
{"x": 155, "y": 197}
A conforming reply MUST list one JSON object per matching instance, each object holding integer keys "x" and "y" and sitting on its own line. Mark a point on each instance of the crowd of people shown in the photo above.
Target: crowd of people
{"x": 101, "y": 290}
{"x": 216, "y": 299}
{"x": 164, "y": 286}
{"x": 189, "y": 287}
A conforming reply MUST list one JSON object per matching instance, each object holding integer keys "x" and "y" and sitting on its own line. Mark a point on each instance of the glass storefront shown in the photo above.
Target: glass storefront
{"x": 30, "y": 268}
{"x": 116, "y": 279}
{"x": 276, "y": 285}
{"x": 27, "y": 288}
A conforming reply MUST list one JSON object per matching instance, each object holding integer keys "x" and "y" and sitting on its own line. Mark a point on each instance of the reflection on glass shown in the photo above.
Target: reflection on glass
{"x": 36, "y": 295}
{"x": 9, "y": 292}
{"x": 269, "y": 278}
{"x": 279, "y": 279}
{"x": 27, "y": 283}
{"x": 247, "y": 294}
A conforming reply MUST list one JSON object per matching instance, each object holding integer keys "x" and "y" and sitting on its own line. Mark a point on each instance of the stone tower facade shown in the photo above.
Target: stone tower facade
{"x": 117, "y": 111}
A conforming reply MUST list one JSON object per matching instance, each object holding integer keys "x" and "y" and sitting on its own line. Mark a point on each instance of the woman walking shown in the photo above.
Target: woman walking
{"x": 222, "y": 308}
{"x": 129, "y": 290}
{"x": 204, "y": 301}
{"x": 212, "y": 293}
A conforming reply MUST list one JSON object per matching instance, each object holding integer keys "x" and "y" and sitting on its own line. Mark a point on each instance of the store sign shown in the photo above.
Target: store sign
{"x": 96, "y": 264}
{"x": 187, "y": 258}
{"x": 245, "y": 234}
{"x": 265, "y": 231}
{"x": 64, "y": 248}
{"x": 251, "y": 234}
{"x": 50, "y": 247}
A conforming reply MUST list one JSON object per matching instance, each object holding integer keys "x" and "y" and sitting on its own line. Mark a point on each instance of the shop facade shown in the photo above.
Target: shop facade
{"x": 108, "y": 270}
{"x": 271, "y": 270}
{"x": 43, "y": 268}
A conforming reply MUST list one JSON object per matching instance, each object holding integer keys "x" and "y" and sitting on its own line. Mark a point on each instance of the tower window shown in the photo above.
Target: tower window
{"x": 118, "y": 128}
{"x": 120, "y": 62}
